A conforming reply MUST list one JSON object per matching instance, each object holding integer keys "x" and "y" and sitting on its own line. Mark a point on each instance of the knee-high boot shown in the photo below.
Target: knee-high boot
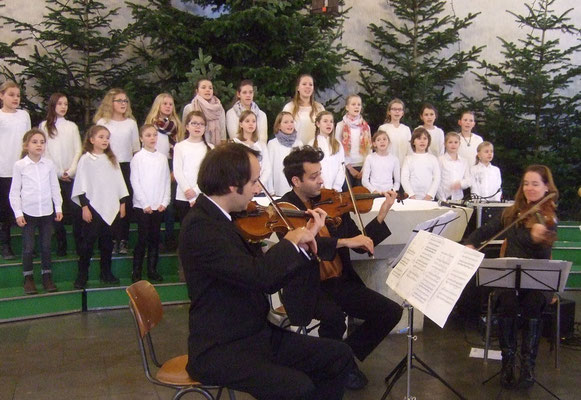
{"x": 507, "y": 339}
{"x": 530, "y": 348}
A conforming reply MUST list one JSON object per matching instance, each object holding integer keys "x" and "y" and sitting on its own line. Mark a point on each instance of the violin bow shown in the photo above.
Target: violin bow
{"x": 288, "y": 224}
{"x": 532, "y": 210}
{"x": 355, "y": 208}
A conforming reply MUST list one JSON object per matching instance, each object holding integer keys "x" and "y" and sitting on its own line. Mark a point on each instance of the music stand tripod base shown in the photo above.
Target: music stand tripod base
{"x": 405, "y": 366}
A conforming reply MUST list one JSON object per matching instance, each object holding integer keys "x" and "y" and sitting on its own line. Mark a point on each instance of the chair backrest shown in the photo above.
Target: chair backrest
{"x": 146, "y": 305}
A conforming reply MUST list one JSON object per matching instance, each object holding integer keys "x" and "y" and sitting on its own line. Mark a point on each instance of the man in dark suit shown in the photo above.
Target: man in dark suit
{"x": 231, "y": 343}
{"x": 344, "y": 293}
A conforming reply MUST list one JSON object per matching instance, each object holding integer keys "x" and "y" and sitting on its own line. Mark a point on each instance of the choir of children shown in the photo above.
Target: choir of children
{"x": 97, "y": 180}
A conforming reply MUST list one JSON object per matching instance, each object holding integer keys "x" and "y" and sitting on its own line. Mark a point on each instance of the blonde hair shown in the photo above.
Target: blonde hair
{"x": 333, "y": 143}
{"x": 315, "y": 106}
{"x": 88, "y": 146}
{"x": 278, "y": 120}
{"x": 351, "y": 96}
{"x": 480, "y": 147}
{"x": 28, "y": 137}
{"x": 105, "y": 110}
{"x": 5, "y": 86}
{"x": 240, "y": 133}
{"x": 391, "y": 103}
{"x": 153, "y": 115}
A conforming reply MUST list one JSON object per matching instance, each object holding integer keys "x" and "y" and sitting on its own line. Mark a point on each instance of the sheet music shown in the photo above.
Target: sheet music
{"x": 432, "y": 274}
{"x": 435, "y": 225}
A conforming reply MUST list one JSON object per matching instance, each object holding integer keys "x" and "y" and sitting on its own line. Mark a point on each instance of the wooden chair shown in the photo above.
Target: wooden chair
{"x": 147, "y": 312}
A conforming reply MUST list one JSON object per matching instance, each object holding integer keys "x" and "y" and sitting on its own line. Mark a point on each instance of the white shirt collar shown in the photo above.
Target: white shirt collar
{"x": 220, "y": 208}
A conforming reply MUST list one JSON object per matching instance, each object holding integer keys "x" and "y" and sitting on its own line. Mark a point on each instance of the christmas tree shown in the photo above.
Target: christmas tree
{"x": 532, "y": 112}
{"x": 76, "y": 51}
{"x": 415, "y": 60}
{"x": 270, "y": 42}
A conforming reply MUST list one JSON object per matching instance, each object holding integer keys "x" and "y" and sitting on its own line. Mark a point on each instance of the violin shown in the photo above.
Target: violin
{"x": 542, "y": 212}
{"x": 545, "y": 215}
{"x": 336, "y": 203}
{"x": 259, "y": 222}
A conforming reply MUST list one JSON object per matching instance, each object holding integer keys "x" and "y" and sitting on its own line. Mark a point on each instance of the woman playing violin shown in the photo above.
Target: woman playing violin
{"x": 531, "y": 237}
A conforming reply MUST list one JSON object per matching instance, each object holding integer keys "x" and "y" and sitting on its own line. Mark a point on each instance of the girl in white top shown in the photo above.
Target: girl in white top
{"x": 398, "y": 133}
{"x": 114, "y": 113}
{"x": 248, "y": 136}
{"x": 35, "y": 196}
{"x": 14, "y": 122}
{"x": 100, "y": 191}
{"x": 381, "y": 171}
{"x": 211, "y": 107}
{"x": 469, "y": 141}
{"x": 188, "y": 155}
{"x": 304, "y": 108}
{"x": 332, "y": 169}
{"x": 455, "y": 171}
{"x": 486, "y": 179}
{"x": 151, "y": 196}
{"x": 245, "y": 101}
{"x": 420, "y": 173}
{"x": 428, "y": 115}
{"x": 63, "y": 147}
{"x": 163, "y": 116}
{"x": 355, "y": 136}
{"x": 285, "y": 138}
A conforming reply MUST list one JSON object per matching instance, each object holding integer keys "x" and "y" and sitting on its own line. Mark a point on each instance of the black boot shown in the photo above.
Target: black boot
{"x": 81, "y": 281}
{"x": 152, "y": 258}
{"x": 7, "y": 252}
{"x": 530, "y": 347}
{"x": 507, "y": 340}
{"x": 137, "y": 266}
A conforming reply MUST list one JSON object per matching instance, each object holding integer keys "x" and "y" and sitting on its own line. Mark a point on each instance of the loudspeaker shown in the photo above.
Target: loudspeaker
{"x": 567, "y": 325}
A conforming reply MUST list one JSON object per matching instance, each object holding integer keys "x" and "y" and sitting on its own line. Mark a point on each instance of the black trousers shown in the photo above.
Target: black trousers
{"x": 121, "y": 225}
{"x": 6, "y": 214}
{"x": 92, "y": 231}
{"x": 277, "y": 364}
{"x": 347, "y": 296}
{"x": 44, "y": 225}
{"x": 148, "y": 236}
{"x": 72, "y": 214}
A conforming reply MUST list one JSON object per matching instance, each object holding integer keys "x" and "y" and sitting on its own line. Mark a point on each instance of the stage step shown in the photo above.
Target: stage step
{"x": 569, "y": 231}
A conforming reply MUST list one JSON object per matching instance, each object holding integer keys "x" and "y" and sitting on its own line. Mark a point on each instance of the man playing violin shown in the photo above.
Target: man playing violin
{"x": 231, "y": 343}
{"x": 341, "y": 292}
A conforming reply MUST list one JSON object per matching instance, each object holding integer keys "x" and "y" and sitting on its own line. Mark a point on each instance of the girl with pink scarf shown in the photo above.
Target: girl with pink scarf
{"x": 210, "y": 105}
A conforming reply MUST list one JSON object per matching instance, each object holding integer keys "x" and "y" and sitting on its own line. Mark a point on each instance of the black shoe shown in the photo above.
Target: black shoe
{"x": 7, "y": 252}
{"x": 123, "y": 247}
{"x": 80, "y": 284}
{"x": 356, "y": 380}
{"x": 135, "y": 277}
{"x": 154, "y": 276}
{"x": 109, "y": 279}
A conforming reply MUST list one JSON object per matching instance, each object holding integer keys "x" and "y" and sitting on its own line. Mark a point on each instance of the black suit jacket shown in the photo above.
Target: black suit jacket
{"x": 227, "y": 279}
{"x": 299, "y": 297}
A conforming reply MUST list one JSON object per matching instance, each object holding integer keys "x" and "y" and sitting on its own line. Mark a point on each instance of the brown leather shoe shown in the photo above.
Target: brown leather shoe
{"x": 29, "y": 286}
{"x": 47, "y": 282}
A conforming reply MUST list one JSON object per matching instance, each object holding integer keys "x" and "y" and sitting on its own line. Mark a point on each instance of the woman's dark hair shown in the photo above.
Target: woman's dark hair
{"x": 293, "y": 163}
{"x": 224, "y": 166}
{"x": 51, "y": 115}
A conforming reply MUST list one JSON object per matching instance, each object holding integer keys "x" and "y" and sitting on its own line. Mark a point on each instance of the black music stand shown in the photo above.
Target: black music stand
{"x": 519, "y": 273}
{"x": 405, "y": 366}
